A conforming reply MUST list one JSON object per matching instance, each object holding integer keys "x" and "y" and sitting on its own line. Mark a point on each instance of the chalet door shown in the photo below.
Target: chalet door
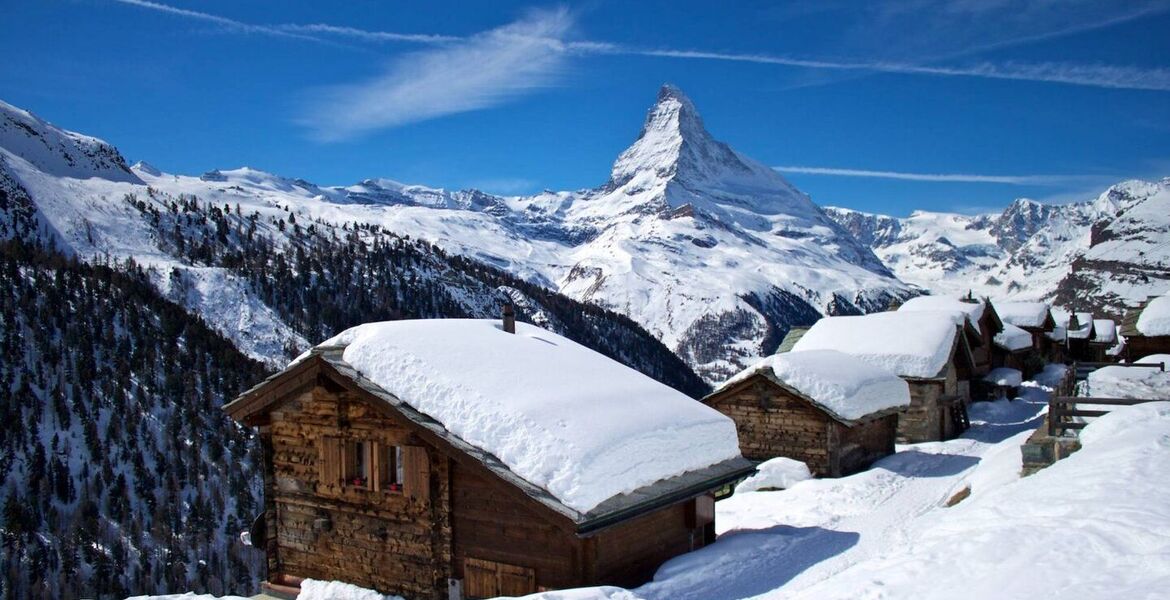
{"x": 487, "y": 579}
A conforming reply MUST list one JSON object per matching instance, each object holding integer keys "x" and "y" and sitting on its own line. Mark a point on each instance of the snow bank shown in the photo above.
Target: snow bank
{"x": 973, "y": 310}
{"x": 842, "y": 384}
{"x": 559, "y": 415}
{"x": 908, "y": 344}
{"x": 1095, "y": 525}
{"x": 778, "y": 473}
{"x": 1155, "y": 317}
{"x": 1013, "y": 338}
{"x": 1022, "y": 314}
{"x": 1131, "y": 382}
{"x": 312, "y": 589}
{"x": 1004, "y": 376}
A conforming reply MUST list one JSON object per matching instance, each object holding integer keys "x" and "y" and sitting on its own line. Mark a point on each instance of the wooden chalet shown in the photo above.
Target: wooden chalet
{"x": 1104, "y": 340}
{"x": 1139, "y": 343}
{"x": 983, "y": 324}
{"x": 1035, "y": 318}
{"x": 831, "y": 411}
{"x": 1079, "y": 336}
{"x": 1014, "y": 349}
{"x": 361, "y": 485}
{"x": 926, "y": 349}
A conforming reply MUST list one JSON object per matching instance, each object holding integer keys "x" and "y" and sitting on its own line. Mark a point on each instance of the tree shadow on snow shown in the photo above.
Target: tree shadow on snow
{"x": 914, "y": 463}
{"x": 746, "y": 563}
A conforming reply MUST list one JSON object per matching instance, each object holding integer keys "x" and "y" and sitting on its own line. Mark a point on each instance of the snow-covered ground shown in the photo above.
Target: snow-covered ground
{"x": 1092, "y": 526}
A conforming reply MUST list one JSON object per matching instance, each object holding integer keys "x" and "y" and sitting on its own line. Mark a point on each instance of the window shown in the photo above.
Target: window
{"x": 356, "y": 458}
{"x": 390, "y": 471}
{"x": 361, "y": 464}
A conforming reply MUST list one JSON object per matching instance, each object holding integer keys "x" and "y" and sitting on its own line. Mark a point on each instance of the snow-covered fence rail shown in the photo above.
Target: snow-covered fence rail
{"x": 1062, "y": 408}
{"x": 1082, "y": 368}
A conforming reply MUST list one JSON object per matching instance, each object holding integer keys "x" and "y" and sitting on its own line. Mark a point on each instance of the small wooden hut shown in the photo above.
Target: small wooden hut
{"x": 458, "y": 459}
{"x": 1035, "y": 318}
{"x": 927, "y": 349}
{"x": 1079, "y": 336}
{"x": 983, "y": 323}
{"x": 829, "y": 410}
{"x": 1014, "y": 349}
{"x": 1144, "y": 328}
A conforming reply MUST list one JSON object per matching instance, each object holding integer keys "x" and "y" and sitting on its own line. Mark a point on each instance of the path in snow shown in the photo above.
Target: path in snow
{"x": 801, "y": 536}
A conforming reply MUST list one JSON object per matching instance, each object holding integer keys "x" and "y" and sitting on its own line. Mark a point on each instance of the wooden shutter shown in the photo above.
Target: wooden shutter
{"x": 329, "y": 465}
{"x": 488, "y": 579}
{"x": 417, "y": 471}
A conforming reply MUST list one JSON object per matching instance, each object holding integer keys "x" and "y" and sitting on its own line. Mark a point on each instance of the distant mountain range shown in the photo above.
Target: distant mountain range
{"x": 1100, "y": 255}
{"x": 713, "y": 253}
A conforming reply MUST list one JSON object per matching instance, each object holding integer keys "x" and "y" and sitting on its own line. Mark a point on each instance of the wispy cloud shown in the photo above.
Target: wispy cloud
{"x": 1105, "y": 76}
{"x": 482, "y": 71}
{"x": 309, "y": 32}
{"x": 1092, "y": 75}
{"x": 1041, "y": 180}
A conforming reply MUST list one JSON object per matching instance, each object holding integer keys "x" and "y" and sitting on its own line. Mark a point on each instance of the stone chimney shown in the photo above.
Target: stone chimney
{"x": 509, "y": 318}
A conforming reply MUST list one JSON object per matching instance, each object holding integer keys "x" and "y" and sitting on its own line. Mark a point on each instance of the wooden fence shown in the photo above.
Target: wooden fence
{"x": 1063, "y": 408}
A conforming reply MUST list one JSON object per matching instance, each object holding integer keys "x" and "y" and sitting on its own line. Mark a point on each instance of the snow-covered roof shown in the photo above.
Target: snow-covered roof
{"x": 1155, "y": 317}
{"x": 973, "y": 310}
{"x": 1084, "y": 326}
{"x": 1004, "y": 376}
{"x": 1013, "y": 338}
{"x": 1023, "y": 314}
{"x": 1132, "y": 382}
{"x": 908, "y": 344}
{"x": 559, "y": 415}
{"x": 844, "y": 386}
{"x": 1104, "y": 331}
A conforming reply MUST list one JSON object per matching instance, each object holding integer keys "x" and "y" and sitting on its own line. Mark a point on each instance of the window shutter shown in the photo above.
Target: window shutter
{"x": 418, "y": 473}
{"x": 329, "y": 466}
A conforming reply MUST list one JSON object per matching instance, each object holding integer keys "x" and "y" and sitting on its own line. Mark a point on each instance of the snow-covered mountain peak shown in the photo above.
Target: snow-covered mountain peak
{"x": 58, "y": 152}
{"x": 676, "y": 165}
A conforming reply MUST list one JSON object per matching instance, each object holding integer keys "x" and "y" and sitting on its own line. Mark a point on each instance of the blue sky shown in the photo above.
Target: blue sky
{"x": 941, "y": 105}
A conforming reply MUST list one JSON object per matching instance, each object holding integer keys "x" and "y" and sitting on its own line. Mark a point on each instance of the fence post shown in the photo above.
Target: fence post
{"x": 1053, "y": 415}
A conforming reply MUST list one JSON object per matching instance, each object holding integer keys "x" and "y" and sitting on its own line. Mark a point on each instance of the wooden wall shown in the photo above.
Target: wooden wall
{"x": 628, "y": 555}
{"x": 489, "y": 524}
{"x": 773, "y": 422}
{"x": 864, "y": 443}
{"x": 1141, "y": 346}
{"x": 394, "y": 542}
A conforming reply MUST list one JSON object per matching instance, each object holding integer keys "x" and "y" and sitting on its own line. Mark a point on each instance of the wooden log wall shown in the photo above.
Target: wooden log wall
{"x": 773, "y": 422}
{"x": 628, "y": 555}
{"x": 864, "y": 443}
{"x": 395, "y": 542}
{"x": 489, "y": 525}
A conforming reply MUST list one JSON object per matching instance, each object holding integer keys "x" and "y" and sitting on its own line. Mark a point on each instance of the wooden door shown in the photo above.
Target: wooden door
{"x": 488, "y": 579}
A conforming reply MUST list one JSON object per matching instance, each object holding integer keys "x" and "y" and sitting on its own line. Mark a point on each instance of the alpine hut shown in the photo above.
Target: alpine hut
{"x": 1035, "y": 318}
{"x": 469, "y": 459}
{"x": 1146, "y": 329}
{"x": 927, "y": 349}
{"x": 981, "y": 316}
{"x": 834, "y": 412}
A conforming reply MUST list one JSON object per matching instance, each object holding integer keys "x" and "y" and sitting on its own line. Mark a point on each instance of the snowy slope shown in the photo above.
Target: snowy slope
{"x": 1094, "y": 525}
{"x": 712, "y": 252}
{"x": 1101, "y": 254}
